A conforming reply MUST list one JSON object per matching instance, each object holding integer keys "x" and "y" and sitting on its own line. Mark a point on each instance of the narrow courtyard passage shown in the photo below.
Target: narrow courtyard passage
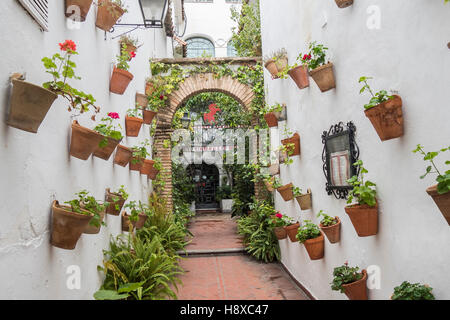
{"x": 217, "y": 268}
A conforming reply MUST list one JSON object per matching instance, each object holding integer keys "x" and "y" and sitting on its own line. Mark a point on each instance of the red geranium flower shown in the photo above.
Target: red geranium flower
{"x": 161, "y": 97}
{"x": 113, "y": 115}
{"x": 279, "y": 215}
{"x": 133, "y": 54}
{"x": 68, "y": 45}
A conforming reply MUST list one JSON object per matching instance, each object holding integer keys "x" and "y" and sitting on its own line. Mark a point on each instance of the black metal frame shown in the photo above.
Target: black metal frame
{"x": 337, "y": 130}
{"x": 148, "y": 23}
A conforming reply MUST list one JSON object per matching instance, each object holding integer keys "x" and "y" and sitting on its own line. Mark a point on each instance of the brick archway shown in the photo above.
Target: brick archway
{"x": 192, "y": 86}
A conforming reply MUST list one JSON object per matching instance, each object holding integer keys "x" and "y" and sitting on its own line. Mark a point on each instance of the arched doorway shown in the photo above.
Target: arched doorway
{"x": 206, "y": 181}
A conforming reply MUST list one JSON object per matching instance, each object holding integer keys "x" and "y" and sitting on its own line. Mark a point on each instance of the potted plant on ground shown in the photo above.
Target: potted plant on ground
{"x": 384, "y": 112}
{"x": 279, "y": 222}
{"x": 275, "y": 113}
{"x": 310, "y": 235}
{"x": 78, "y": 9}
{"x": 115, "y": 200}
{"x": 112, "y": 136}
{"x": 108, "y": 13}
{"x": 123, "y": 155}
{"x": 344, "y": 3}
{"x": 320, "y": 71}
{"x": 139, "y": 154}
{"x": 304, "y": 199}
{"x": 412, "y": 291}
{"x": 441, "y": 191}
{"x": 298, "y": 72}
{"x": 349, "y": 281}
{"x": 137, "y": 217}
{"x": 121, "y": 77}
{"x": 84, "y": 141}
{"x": 364, "y": 214}
{"x": 223, "y": 195}
{"x": 133, "y": 122}
{"x": 286, "y": 192}
{"x": 276, "y": 63}
{"x": 330, "y": 226}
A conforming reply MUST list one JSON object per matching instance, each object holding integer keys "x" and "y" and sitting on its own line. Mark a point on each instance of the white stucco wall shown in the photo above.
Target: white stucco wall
{"x": 36, "y": 169}
{"x": 408, "y": 54}
{"x": 211, "y": 21}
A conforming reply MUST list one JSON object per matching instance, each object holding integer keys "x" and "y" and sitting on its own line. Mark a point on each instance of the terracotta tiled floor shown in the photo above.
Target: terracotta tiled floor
{"x": 230, "y": 277}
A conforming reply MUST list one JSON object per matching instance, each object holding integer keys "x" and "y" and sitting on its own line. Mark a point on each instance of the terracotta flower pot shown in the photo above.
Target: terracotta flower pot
{"x": 364, "y": 219}
{"x": 141, "y": 100}
{"x": 81, "y": 12}
{"x": 136, "y": 224}
{"x": 295, "y": 139}
{"x": 137, "y": 165}
{"x": 305, "y": 200}
{"x": 324, "y": 77}
{"x": 274, "y": 169}
{"x": 276, "y": 67}
{"x": 286, "y": 192}
{"x": 271, "y": 119}
{"x": 130, "y": 48}
{"x": 153, "y": 173}
{"x": 84, "y": 141}
{"x": 442, "y": 201}
{"x": 106, "y": 152}
{"x": 149, "y": 88}
{"x": 133, "y": 126}
{"x": 292, "y": 231}
{"x": 148, "y": 116}
{"x": 29, "y": 105}
{"x": 344, "y": 3}
{"x": 120, "y": 79}
{"x": 280, "y": 233}
{"x": 114, "y": 208}
{"x": 92, "y": 229}
{"x": 147, "y": 166}
{"x": 333, "y": 232}
{"x": 269, "y": 186}
{"x": 357, "y": 290}
{"x": 300, "y": 76}
{"x": 67, "y": 226}
{"x": 315, "y": 247}
{"x": 123, "y": 155}
{"x": 387, "y": 118}
{"x": 107, "y": 14}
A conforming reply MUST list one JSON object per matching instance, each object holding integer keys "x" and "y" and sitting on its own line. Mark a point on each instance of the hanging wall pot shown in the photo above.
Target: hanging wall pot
{"x": 123, "y": 155}
{"x": 106, "y": 152}
{"x": 136, "y": 224}
{"x": 315, "y": 247}
{"x": 364, "y": 218}
{"x": 78, "y": 9}
{"x": 84, "y": 141}
{"x": 280, "y": 233}
{"x": 300, "y": 76}
{"x": 324, "y": 77}
{"x": 344, "y": 3}
{"x": 147, "y": 166}
{"x": 120, "y": 79}
{"x": 292, "y": 231}
{"x": 114, "y": 208}
{"x": 272, "y": 118}
{"x": 357, "y": 290}
{"x": 133, "y": 126}
{"x": 29, "y": 105}
{"x": 67, "y": 226}
{"x": 93, "y": 229}
{"x": 305, "y": 200}
{"x": 275, "y": 67}
{"x": 295, "y": 139}
{"x": 108, "y": 14}
{"x": 333, "y": 232}
{"x": 387, "y": 118}
{"x": 286, "y": 192}
{"x": 149, "y": 88}
{"x": 442, "y": 201}
{"x": 137, "y": 165}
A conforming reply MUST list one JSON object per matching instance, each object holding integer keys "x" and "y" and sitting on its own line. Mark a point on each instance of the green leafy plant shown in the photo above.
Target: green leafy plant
{"x": 135, "y": 210}
{"x": 123, "y": 195}
{"x": 223, "y": 192}
{"x": 327, "y": 221}
{"x": 124, "y": 58}
{"x": 297, "y": 192}
{"x": 62, "y": 68}
{"x": 257, "y": 230}
{"x": 316, "y": 56}
{"x": 140, "y": 152}
{"x": 443, "y": 179}
{"x": 129, "y": 41}
{"x": 108, "y": 129}
{"x": 246, "y": 37}
{"x": 415, "y": 291}
{"x": 363, "y": 191}
{"x": 134, "y": 112}
{"x": 111, "y": 9}
{"x": 88, "y": 203}
{"x": 307, "y": 231}
{"x": 276, "y": 183}
{"x": 344, "y": 275}
{"x": 377, "y": 98}
{"x": 281, "y": 220}
{"x": 277, "y": 107}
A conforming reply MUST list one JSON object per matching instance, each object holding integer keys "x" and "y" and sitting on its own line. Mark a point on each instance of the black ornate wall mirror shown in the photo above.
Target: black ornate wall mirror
{"x": 340, "y": 151}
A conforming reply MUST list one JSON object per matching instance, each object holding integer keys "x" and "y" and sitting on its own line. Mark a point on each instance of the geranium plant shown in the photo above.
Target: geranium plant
{"x": 363, "y": 191}
{"x": 124, "y": 58}
{"x": 412, "y": 291}
{"x": 281, "y": 220}
{"x": 88, "y": 203}
{"x": 108, "y": 129}
{"x": 156, "y": 101}
{"x": 316, "y": 56}
{"x": 327, "y": 221}
{"x": 443, "y": 178}
{"x": 344, "y": 275}
{"x": 122, "y": 193}
{"x": 377, "y": 98}
{"x": 62, "y": 68}
{"x": 307, "y": 231}
{"x": 297, "y": 191}
{"x": 276, "y": 183}
{"x": 129, "y": 41}
{"x": 134, "y": 112}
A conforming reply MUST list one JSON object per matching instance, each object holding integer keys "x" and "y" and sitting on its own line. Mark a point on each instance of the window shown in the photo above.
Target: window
{"x": 231, "y": 51}
{"x": 198, "y": 47}
{"x": 38, "y": 10}
{"x": 198, "y": 1}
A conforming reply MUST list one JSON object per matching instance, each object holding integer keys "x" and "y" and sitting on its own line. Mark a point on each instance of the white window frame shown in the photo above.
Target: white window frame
{"x": 38, "y": 9}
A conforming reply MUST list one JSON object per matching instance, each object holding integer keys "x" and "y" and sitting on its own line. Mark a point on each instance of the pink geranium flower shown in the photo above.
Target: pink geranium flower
{"x": 113, "y": 115}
